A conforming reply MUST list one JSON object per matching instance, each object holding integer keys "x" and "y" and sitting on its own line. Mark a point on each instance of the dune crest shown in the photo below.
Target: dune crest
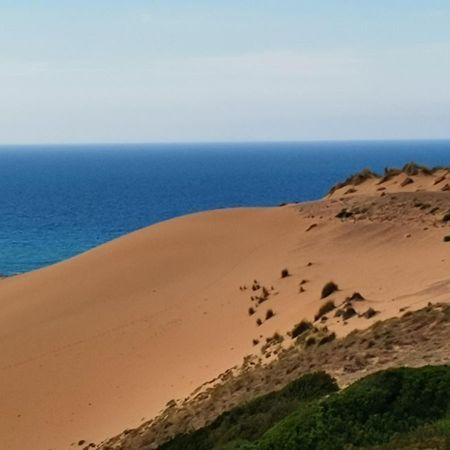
{"x": 104, "y": 341}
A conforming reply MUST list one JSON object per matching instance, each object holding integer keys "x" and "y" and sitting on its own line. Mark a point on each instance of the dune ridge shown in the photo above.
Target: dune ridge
{"x": 103, "y": 341}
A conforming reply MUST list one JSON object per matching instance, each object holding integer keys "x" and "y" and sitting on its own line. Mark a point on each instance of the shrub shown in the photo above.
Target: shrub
{"x": 344, "y": 214}
{"x": 269, "y": 314}
{"x": 328, "y": 289}
{"x": 348, "y": 313}
{"x": 447, "y": 238}
{"x": 368, "y": 414}
{"x": 369, "y": 313}
{"x": 258, "y": 322}
{"x": 324, "y": 309}
{"x": 328, "y": 338}
{"x": 356, "y": 296}
{"x": 284, "y": 273}
{"x": 251, "y": 311}
{"x": 301, "y": 328}
{"x": 240, "y": 427}
{"x": 446, "y": 218}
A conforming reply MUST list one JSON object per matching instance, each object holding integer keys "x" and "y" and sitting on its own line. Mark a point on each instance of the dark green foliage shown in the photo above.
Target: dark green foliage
{"x": 328, "y": 289}
{"x": 238, "y": 427}
{"x": 371, "y": 412}
{"x": 397, "y": 409}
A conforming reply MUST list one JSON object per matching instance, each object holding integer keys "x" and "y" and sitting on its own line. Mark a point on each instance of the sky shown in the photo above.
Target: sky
{"x": 92, "y": 71}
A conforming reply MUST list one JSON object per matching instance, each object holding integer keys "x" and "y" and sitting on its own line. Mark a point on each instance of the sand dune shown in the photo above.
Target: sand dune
{"x": 91, "y": 346}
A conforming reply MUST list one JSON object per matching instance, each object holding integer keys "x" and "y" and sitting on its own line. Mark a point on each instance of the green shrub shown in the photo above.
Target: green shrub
{"x": 371, "y": 412}
{"x": 242, "y": 425}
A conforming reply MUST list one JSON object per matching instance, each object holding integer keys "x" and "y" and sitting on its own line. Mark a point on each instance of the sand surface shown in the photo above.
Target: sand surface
{"x": 93, "y": 345}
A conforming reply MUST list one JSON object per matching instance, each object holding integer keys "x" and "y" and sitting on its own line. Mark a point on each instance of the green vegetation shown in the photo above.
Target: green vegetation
{"x": 395, "y": 409}
{"x": 237, "y": 428}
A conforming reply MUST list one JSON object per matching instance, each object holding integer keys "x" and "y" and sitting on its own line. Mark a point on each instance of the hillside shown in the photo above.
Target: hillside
{"x": 104, "y": 341}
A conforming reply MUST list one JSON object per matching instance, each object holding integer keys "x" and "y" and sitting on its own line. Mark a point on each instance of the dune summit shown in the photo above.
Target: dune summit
{"x": 103, "y": 341}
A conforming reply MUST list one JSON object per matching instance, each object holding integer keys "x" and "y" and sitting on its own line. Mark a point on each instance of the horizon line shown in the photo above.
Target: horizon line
{"x": 221, "y": 142}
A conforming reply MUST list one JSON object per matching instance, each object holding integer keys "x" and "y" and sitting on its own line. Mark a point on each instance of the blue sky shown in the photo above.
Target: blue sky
{"x": 167, "y": 70}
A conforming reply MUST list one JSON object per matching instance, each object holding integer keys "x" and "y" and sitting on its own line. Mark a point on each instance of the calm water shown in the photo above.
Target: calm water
{"x": 58, "y": 201}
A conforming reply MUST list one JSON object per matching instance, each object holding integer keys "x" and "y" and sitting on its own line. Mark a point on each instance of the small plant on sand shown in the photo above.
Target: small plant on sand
{"x": 269, "y": 314}
{"x": 324, "y": 309}
{"x": 328, "y": 289}
{"x": 284, "y": 273}
{"x": 255, "y": 342}
{"x": 447, "y": 238}
{"x": 258, "y": 322}
{"x": 446, "y": 218}
{"x": 301, "y": 328}
{"x": 251, "y": 311}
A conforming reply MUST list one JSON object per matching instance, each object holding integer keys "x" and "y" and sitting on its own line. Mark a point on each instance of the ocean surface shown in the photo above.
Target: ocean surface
{"x": 58, "y": 201}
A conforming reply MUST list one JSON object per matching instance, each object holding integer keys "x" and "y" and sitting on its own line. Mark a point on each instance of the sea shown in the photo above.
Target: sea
{"x": 57, "y": 201}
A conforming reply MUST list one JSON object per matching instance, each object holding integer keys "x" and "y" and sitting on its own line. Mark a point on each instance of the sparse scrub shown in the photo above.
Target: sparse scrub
{"x": 327, "y": 338}
{"x": 369, "y": 313}
{"x": 301, "y": 328}
{"x": 447, "y": 238}
{"x": 348, "y": 313}
{"x": 344, "y": 214}
{"x": 356, "y": 296}
{"x": 285, "y": 273}
{"x": 269, "y": 314}
{"x": 446, "y": 217}
{"x": 328, "y": 289}
{"x": 251, "y": 311}
{"x": 258, "y": 322}
{"x": 325, "y": 309}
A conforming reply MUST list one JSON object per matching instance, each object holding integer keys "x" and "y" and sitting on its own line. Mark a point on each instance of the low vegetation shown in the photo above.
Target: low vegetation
{"x": 328, "y": 289}
{"x": 248, "y": 422}
{"x": 382, "y": 411}
{"x": 301, "y": 328}
{"x": 285, "y": 273}
{"x": 325, "y": 309}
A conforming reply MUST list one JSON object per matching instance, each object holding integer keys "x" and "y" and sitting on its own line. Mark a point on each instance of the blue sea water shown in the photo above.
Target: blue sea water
{"x": 58, "y": 201}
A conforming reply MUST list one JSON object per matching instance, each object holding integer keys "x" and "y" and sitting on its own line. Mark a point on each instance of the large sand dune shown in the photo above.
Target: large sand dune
{"x": 91, "y": 346}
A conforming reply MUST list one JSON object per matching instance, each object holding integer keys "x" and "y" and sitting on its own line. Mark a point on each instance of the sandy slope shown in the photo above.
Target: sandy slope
{"x": 90, "y": 346}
